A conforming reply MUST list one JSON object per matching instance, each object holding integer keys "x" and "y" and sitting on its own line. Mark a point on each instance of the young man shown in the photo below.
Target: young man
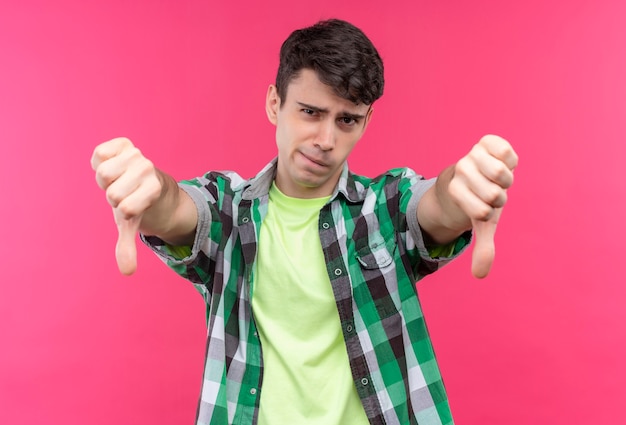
{"x": 308, "y": 270}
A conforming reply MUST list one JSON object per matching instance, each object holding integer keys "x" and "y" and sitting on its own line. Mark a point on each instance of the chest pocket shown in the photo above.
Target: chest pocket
{"x": 379, "y": 276}
{"x": 378, "y": 253}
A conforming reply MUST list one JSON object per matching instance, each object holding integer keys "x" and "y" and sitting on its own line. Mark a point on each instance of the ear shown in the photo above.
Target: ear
{"x": 272, "y": 104}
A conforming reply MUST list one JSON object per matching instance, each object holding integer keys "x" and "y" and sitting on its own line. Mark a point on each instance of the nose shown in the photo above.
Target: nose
{"x": 325, "y": 139}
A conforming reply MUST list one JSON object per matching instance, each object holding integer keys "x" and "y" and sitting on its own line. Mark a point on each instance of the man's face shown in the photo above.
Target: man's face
{"x": 315, "y": 132}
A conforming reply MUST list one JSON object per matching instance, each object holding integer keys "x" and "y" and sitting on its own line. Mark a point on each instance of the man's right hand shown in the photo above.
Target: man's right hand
{"x": 132, "y": 185}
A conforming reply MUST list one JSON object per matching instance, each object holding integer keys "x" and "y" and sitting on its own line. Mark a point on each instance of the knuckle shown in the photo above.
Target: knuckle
{"x": 499, "y": 199}
{"x": 492, "y": 195}
{"x": 113, "y": 198}
{"x": 132, "y": 153}
{"x": 488, "y": 141}
{"x": 104, "y": 175}
{"x": 476, "y": 150}
{"x": 98, "y": 151}
{"x": 501, "y": 175}
{"x": 463, "y": 166}
{"x": 121, "y": 142}
{"x": 146, "y": 167}
{"x": 128, "y": 210}
{"x": 503, "y": 199}
{"x": 141, "y": 164}
{"x": 493, "y": 139}
{"x": 499, "y": 171}
{"x": 514, "y": 159}
{"x": 500, "y": 148}
{"x": 134, "y": 150}
{"x": 483, "y": 213}
{"x": 97, "y": 157}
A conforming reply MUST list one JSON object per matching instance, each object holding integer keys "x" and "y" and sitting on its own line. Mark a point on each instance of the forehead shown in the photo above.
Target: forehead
{"x": 306, "y": 87}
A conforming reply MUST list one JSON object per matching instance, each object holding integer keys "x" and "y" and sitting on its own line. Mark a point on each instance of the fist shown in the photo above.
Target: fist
{"x": 132, "y": 185}
{"x": 129, "y": 179}
{"x": 479, "y": 188}
{"x": 482, "y": 177}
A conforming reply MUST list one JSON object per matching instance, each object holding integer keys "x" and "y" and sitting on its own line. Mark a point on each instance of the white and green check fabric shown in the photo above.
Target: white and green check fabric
{"x": 374, "y": 254}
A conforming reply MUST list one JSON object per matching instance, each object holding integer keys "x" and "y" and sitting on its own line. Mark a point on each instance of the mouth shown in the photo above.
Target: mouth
{"x": 314, "y": 160}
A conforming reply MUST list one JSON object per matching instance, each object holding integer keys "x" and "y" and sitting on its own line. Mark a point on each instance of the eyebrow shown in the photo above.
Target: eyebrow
{"x": 355, "y": 117}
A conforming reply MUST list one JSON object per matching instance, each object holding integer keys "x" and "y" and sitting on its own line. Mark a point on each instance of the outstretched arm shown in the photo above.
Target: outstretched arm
{"x": 144, "y": 199}
{"x": 470, "y": 195}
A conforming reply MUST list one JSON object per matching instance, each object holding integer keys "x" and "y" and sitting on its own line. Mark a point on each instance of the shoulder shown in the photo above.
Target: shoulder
{"x": 217, "y": 181}
{"x": 232, "y": 183}
{"x": 392, "y": 177}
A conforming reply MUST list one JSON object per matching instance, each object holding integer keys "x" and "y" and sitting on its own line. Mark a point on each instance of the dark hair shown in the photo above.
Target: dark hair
{"x": 341, "y": 56}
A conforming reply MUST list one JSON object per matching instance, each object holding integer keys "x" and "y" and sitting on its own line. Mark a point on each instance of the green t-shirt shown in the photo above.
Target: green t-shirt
{"x": 307, "y": 377}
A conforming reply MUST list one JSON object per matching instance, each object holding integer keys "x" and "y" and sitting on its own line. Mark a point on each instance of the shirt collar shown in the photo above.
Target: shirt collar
{"x": 347, "y": 186}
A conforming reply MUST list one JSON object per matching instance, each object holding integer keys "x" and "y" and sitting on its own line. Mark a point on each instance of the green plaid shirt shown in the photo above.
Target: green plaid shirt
{"x": 374, "y": 255}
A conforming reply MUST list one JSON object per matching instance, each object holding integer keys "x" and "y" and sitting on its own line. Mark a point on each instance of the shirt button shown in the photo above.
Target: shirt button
{"x": 349, "y": 328}
{"x": 337, "y": 272}
{"x": 253, "y": 391}
{"x": 325, "y": 225}
{"x": 364, "y": 381}
{"x": 245, "y": 220}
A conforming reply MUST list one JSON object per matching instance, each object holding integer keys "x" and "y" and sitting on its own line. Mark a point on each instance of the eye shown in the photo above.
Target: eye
{"x": 348, "y": 121}
{"x": 308, "y": 111}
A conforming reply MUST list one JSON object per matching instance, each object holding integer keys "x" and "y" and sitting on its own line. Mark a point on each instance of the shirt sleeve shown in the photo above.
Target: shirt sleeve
{"x": 190, "y": 262}
{"x": 430, "y": 258}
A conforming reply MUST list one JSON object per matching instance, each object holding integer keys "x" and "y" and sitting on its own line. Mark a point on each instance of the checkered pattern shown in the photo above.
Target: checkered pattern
{"x": 374, "y": 255}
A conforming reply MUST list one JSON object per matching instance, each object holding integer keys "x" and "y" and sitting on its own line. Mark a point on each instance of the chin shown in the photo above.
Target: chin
{"x": 308, "y": 184}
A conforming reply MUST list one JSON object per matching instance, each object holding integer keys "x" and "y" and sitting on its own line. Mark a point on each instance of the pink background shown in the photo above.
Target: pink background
{"x": 541, "y": 341}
